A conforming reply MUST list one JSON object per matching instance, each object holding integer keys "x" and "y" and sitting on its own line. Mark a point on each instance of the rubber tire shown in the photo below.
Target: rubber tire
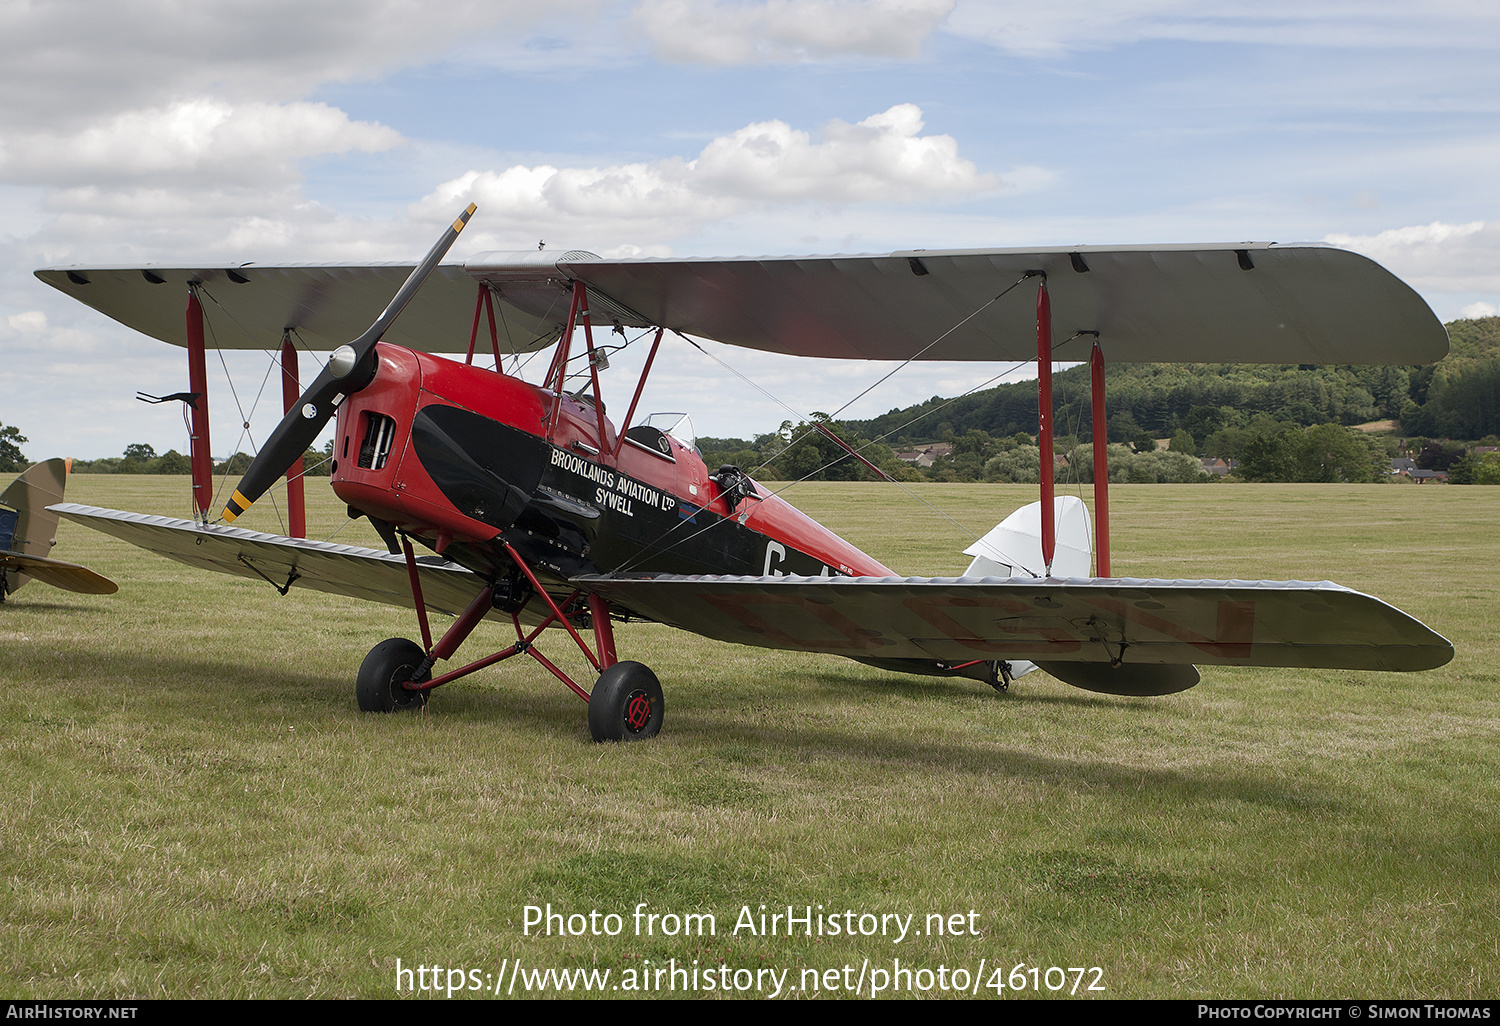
{"x": 615, "y": 710}
{"x": 378, "y": 686}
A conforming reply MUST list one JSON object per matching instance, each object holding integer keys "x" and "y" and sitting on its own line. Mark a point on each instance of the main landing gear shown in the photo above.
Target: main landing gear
{"x": 383, "y": 676}
{"x": 625, "y": 705}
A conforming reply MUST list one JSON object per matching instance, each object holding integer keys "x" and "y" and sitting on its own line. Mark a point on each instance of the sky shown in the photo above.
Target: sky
{"x": 170, "y": 132}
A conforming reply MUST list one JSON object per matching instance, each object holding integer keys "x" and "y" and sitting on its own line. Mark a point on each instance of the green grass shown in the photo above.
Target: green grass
{"x": 196, "y": 808}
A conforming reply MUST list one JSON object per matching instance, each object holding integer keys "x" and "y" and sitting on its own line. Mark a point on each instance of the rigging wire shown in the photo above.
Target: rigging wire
{"x": 917, "y": 356}
{"x": 1077, "y": 419}
{"x": 518, "y": 365}
{"x": 273, "y": 361}
{"x": 963, "y": 527}
{"x": 934, "y": 342}
{"x": 244, "y": 421}
{"x": 901, "y": 427}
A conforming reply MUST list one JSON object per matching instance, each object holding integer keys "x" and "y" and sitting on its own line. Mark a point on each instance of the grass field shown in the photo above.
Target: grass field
{"x": 195, "y": 808}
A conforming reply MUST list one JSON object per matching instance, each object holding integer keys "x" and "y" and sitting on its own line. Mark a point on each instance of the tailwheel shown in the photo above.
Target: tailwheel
{"x": 626, "y": 704}
{"x": 389, "y": 664}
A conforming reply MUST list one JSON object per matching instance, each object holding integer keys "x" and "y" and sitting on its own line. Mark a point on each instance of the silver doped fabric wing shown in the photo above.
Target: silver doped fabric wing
{"x": 320, "y": 566}
{"x": 325, "y": 306}
{"x": 1222, "y": 303}
{"x": 1231, "y": 303}
{"x": 1092, "y": 620}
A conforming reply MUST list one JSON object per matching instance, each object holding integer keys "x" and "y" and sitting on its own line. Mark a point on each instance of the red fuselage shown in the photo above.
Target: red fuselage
{"x": 466, "y": 459}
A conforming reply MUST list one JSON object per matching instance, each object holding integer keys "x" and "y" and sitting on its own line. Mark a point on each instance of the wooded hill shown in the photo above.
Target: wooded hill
{"x": 1277, "y": 415}
{"x": 1458, "y": 397}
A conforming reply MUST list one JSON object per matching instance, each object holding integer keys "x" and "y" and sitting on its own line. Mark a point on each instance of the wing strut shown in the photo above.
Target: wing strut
{"x": 1101, "y": 462}
{"x": 557, "y": 374}
{"x": 198, "y": 450}
{"x": 640, "y": 386}
{"x": 291, "y": 391}
{"x": 484, "y": 301}
{"x": 1044, "y": 437}
{"x": 1044, "y": 420}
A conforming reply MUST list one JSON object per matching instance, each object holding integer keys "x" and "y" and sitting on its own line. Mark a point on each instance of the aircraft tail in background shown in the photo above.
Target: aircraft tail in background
{"x": 28, "y": 530}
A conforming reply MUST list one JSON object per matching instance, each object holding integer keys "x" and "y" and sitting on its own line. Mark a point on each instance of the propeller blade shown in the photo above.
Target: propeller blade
{"x": 349, "y": 369}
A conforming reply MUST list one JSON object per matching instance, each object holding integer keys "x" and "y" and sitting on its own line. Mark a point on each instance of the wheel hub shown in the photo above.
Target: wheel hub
{"x": 637, "y": 710}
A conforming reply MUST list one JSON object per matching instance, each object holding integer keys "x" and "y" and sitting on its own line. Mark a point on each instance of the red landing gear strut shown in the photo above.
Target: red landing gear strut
{"x": 626, "y": 702}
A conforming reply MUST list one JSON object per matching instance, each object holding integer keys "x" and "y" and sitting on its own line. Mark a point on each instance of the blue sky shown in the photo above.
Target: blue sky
{"x": 290, "y": 132}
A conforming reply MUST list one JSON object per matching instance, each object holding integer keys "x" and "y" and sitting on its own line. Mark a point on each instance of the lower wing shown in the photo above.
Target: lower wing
{"x": 285, "y": 562}
{"x": 1112, "y": 622}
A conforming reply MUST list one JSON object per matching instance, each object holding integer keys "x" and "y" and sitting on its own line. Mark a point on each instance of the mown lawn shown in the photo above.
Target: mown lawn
{"x": 195, "y": 807}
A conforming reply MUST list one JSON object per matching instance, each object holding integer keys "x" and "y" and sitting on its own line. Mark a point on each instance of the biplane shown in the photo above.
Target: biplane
{"x": 540, "y": 511}
{"x": 28, "y": 530}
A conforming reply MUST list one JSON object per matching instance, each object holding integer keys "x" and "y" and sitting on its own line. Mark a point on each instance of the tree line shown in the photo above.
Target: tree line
{"x": 1273, "y": 422}
{"x": 140, "y": 458}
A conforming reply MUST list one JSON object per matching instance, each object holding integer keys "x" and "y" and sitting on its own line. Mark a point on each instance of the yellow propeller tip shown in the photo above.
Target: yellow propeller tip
{"x": 237, "y": 505}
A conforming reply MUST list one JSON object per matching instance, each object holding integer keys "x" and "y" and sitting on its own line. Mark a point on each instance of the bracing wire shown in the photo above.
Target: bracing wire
{"x": 925, "y": 349}
{"x": 902, "y": 366}
{"x": 272, "y": 358}
{"x": 900, "y": 484}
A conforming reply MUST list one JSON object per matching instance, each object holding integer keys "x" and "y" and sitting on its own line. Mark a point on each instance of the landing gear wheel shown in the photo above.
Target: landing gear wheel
{"x": 389, "y": 664}
{"x": 626, "y": 704}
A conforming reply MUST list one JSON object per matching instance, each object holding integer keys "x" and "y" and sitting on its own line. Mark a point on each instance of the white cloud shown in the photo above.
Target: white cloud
{"x": 720, "y": 32}
{"x": 1436, "y": 257}
{"x": 205, "y": 141}
{"x": 65, "y": 66}
{"x": 1476, "y": 310}
{"x": 1413, "y": 237}
{"x": 882, "y": 158}
{"x": 29, "y": 322}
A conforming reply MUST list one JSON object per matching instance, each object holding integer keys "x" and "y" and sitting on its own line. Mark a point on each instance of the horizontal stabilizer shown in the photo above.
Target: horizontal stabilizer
{"x": 59, "y": 574}
{"x": 1013, "y": 547}
{"x": 1089, "y": 620}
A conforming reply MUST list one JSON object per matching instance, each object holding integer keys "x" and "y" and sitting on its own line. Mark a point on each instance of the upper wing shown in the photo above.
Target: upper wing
{"x": 322, "y": 566}
{"x": 1228, "y": 303}
{"x": 1231, "y": 303}
{"x": 326, "y": 306}
{"x": 1096, "y": 620}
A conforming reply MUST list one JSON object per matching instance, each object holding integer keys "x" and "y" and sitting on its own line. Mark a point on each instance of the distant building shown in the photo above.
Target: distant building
{"x": 926, "y": 455}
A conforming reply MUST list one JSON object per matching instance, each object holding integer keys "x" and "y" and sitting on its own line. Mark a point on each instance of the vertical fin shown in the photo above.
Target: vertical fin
{"x": 29, "y": 495}
{"x": 34, "y": 528}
